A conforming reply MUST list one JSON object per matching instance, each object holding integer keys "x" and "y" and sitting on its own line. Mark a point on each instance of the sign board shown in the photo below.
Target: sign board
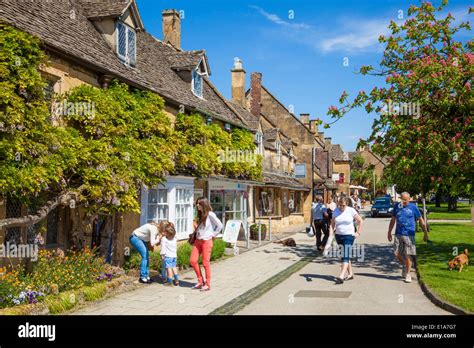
{"x": 335, "y": 177}
{"x": 226, "y": 185}
{"x": 232, "y": 230}
{"x": 300, "y": 171}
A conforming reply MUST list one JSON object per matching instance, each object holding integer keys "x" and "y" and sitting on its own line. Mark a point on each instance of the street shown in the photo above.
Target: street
{"x": 377, "y": 287}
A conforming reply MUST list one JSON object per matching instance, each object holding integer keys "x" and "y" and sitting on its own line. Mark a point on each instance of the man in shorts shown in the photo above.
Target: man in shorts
{"x": 405, "y": 214}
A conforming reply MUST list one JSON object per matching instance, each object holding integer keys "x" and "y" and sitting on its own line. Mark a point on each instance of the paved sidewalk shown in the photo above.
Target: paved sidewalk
{"x": 230, "y": 278}
{"x": 377, "y": 287}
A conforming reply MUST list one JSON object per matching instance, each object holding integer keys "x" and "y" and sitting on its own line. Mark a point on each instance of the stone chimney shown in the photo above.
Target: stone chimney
{"x": 256, "y": 93}
{"x": 313, "y": 126}
{"x": 304, "y": 118}
{"x": 327, "y": 142}
{"x": 171, "y": 23}
{"x": 238, "y": 83}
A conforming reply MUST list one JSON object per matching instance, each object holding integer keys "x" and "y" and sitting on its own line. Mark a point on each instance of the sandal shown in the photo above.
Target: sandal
{"x": 339, "y": 280}
{"x": 205, "y": 288}
{"x": 349, "y": 278}
{"x": 198, "y": 286}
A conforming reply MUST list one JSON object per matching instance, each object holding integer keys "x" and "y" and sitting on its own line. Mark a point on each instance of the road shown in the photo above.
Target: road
{"x": 377, "y": 287}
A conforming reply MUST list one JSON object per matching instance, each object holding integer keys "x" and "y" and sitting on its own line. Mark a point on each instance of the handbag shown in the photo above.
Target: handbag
{"x": 193, "y": 236}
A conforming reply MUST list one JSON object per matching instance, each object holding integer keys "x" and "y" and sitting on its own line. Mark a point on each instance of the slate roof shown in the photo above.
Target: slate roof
{"x": 252, "y": 121}
{"x": 104, "y": 8}
{"x": 270, "y": 134}
{"x": 274, "y": 179}
{"x": 338, "y": 153}
{"x": 76, "y": 38}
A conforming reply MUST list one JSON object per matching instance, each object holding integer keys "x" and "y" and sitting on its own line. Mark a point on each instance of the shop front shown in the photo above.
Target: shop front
{"x": 172, "y": 201}
{"x": 229, "y": 200}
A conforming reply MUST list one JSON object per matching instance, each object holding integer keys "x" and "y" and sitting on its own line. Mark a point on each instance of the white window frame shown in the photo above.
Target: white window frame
{"x": 197, "y": 72}
{"x": 126, "y": 57}
{"x": 157, "y": 204}
{"x": 171, "y": 186}
{"x": 259, "y": 139}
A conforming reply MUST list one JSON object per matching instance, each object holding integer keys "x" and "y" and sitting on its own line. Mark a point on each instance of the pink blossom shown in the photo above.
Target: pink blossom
{"x": 468, "y": 86}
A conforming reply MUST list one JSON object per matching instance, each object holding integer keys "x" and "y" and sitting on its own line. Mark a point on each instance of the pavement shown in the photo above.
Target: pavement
{"x": 377, "y": 287}
{"x": 230, "y": 278}
{"x": 274, "y": 279}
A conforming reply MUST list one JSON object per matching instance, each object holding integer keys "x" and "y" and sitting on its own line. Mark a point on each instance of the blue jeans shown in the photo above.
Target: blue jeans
{"x": 142, "y": 249}
{"x": 346, "y": 241}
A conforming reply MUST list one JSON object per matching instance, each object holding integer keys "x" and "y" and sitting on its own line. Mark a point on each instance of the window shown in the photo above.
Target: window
{"x": 259, "y": 140}
{"x": 197, "y": 83}
{"x": 268, "y": 204}
{"x": 278, "y": 147}
{"x": 126, "y": 43}
{"x": 294, "y": 204}
{"x": 184, "y": 204}
{"x": 157, "y": 205}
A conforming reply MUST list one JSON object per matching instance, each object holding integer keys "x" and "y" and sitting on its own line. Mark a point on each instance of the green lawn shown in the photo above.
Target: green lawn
{"x": 463, "y": 212}
{"x": 452, "y": 286}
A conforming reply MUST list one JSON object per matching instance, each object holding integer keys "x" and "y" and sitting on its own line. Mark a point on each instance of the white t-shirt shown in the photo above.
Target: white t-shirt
{"x": 345, "y": 221}
{"x": 211, "y": 229}
{"x": 147, "y": 233}
{"x": 169, "y": 247}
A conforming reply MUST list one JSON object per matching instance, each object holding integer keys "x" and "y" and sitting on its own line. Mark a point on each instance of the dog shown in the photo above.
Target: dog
{"x": 290, "y": 242}
{"x": 460, "y": 260}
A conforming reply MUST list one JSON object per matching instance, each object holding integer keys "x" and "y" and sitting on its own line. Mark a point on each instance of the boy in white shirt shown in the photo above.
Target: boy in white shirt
{"x": 169, "y": 247}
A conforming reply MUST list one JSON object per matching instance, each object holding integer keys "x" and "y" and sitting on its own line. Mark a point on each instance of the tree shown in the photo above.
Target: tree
{"x": 425, "y": 122}
{"x": 97, "y": 159}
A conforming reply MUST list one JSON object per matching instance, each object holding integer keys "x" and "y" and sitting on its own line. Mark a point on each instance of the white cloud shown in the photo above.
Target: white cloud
{"x": 277, "y": 20}
{"x": 359, "y": 35}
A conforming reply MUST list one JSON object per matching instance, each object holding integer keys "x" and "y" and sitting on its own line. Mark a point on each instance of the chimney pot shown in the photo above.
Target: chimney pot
{"x": 304, "y": 118}
{"x": 171, "y": 24}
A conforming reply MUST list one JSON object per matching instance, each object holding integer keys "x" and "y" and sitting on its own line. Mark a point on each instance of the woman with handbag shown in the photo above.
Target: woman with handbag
{"x": 143, "y": 240}
{"x": 208, "y": 227}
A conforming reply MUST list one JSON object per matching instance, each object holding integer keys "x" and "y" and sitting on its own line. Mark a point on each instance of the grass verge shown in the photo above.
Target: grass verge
{"x": 451, "y": 286}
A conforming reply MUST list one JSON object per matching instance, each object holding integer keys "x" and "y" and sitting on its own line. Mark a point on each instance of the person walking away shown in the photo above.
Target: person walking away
{"x": 209, "y": 226}
{"x": 404, "y": 215}
{"x": 143, "y": 239}
{"x": 343, "y": 224}
{"x": 169, "y": 247}
{"x": 318, "y": 215}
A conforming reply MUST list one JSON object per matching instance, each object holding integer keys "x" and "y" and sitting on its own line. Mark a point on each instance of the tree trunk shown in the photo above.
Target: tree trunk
{"x": 452, "y": 203}
{"x": 438, "y": 200}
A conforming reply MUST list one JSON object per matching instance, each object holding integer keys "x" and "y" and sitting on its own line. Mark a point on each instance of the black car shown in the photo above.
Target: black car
{"x": 382, "y": 206}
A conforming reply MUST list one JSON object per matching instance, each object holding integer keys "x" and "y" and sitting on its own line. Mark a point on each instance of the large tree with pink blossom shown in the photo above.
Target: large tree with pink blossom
{"x": 425, "y": 108}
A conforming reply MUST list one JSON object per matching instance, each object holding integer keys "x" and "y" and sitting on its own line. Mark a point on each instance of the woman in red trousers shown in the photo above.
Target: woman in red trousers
{"x": 208, "y": 227}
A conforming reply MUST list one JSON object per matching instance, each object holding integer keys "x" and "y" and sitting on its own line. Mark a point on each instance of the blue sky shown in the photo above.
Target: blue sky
{"x": 298, "y": 45}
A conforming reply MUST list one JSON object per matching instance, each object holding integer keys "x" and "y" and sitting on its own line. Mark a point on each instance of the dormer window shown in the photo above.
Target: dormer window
{"x": 278, "y": 147}
{"x": 126, "y": 43}
{"x": 197, "y": 83}
{"x": 259, "y": 140}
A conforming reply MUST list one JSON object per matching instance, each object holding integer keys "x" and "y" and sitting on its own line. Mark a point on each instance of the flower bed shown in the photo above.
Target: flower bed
{"x": 54, "y": 273}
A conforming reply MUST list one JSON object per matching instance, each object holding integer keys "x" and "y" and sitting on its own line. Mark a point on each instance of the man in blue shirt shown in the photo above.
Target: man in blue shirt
{"x": 405, "y": 214}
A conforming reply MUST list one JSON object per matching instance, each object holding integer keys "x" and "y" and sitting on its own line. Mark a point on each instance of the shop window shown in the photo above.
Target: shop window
{"x": 184, "y": 205}
{"x": 295, "y": 202}
{"x": 267, "y": 205}
{"x": 157, "y": 205}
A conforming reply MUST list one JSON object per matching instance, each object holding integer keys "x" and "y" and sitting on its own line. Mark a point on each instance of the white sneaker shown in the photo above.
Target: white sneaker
{"x": 408, "y": 278}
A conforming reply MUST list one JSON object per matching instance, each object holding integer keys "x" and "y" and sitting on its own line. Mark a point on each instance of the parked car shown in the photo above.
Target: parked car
{"x": 382, "y": 206}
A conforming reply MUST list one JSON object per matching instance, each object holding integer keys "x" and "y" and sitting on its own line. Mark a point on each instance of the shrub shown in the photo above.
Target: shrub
{"x": 218, "y": 249}
{"x": 184, "y": 253}
{"x": 61, "y": 303}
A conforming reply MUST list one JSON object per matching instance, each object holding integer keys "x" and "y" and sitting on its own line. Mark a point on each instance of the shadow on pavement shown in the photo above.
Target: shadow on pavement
{"x": 310, "y": 277}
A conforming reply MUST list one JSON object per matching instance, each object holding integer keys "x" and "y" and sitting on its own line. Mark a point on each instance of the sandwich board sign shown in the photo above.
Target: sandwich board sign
{"x": 232, "y": 230}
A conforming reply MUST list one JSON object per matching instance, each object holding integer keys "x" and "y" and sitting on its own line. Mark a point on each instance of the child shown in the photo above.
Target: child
{"x": 169, "y": 253}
